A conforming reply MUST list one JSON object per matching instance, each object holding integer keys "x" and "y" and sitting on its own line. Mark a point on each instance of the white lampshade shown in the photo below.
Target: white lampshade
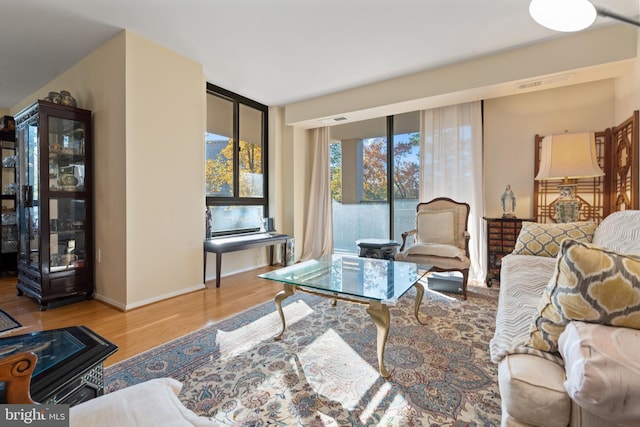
{"x": 563, "y": 15}
{"x": 569, "y": 156}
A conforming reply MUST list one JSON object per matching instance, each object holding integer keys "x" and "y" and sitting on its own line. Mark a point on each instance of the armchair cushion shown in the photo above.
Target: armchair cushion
{"x": 603, "y": 369}
{"x": 436, "y": 249}
{"x": 151, "y": 403}
{"x": 436, "y": 227}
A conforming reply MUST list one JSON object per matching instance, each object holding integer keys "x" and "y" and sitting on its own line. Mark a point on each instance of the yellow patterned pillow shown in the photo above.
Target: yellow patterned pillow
{"x": 590, "y": 284}
{"x": 544, "y": 239}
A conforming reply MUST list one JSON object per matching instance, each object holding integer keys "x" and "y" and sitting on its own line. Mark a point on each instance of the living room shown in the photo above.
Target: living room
{"x": 149, "y": 159}
{"x": 131, "y": 179}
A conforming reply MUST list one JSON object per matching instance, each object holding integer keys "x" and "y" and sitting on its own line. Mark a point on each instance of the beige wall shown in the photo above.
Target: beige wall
{"x": 627, "y": 89}
{"x": 586, "y": 56}
{"x": 511, "y": 123}
{"x": 98, "y": 84}
{"x": 149, "y": 167}
{"x": 165, "y": 115}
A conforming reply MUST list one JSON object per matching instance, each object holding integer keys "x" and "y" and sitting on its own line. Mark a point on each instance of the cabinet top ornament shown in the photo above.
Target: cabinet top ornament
{"x": 63, "y": 97}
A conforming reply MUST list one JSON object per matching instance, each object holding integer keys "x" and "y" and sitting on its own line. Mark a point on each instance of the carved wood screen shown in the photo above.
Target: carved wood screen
{"x": 617, "y": 152}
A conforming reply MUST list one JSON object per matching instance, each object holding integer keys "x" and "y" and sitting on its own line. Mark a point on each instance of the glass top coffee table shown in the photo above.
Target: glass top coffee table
{"x": 375, "y": 282}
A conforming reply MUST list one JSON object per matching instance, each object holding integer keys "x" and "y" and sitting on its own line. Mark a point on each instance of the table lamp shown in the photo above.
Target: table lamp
{"x": 568, "y": 157}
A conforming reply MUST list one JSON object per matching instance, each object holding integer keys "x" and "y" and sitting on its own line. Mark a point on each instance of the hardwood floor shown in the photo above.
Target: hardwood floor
{"x": 146, "y": 327}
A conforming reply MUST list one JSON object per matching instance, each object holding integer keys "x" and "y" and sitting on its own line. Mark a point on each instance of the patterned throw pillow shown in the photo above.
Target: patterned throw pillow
{"x": 589, "y": 284}
{"x": 544, "y": 239}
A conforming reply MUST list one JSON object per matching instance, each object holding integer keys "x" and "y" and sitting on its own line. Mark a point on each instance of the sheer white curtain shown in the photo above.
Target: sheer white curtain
{"x": 451, "y": 166}
{"x": 318, "y": 234}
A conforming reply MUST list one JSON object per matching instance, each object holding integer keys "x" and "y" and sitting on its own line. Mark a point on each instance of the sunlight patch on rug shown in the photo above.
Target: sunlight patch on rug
{"x": 334, "y": 369}
{"x": 237, "y": 340}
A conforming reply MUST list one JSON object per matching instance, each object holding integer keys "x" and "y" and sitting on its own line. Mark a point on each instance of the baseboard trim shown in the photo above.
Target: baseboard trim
{"x": 126, "y": 307}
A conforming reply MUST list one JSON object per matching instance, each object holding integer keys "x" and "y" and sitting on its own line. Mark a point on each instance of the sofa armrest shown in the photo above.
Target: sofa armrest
{"x": 603, "y": 369}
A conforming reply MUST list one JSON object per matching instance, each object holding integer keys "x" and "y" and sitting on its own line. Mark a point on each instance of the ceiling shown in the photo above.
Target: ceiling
{"x": 273, "y": 51}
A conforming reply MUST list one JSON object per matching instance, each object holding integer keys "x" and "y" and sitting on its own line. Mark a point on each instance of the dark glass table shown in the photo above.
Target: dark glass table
{"x": 377, "y": 283}
{"x": 69, "y": 368}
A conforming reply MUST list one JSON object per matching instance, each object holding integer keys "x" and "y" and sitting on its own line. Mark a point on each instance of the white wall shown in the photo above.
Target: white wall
{"x": 511, "y": 123}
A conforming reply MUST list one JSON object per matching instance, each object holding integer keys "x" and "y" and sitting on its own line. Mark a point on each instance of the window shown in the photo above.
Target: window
{"x": 358, "y": 164}
{"x": 374, "y": 179}
{"x": 236, "y": 163}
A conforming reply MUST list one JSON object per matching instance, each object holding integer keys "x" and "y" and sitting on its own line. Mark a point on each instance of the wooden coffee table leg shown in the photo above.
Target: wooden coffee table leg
{"x": 380, "y": 315}
{"x": 281, "y": 296}
{"x": 419, "y": 294}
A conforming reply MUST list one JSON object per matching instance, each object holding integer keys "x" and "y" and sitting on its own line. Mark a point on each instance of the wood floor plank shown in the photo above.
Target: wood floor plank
{"x": 146, "y": 327}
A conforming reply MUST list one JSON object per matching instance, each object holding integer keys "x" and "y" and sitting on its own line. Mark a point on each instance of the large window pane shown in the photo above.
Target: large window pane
{"x": 219, "y": 147}
{"x": 236, "y": 147}
{"x": 406, "y": 172}
{"x": 358, "y": 162}
{"x": 251, "y": 137}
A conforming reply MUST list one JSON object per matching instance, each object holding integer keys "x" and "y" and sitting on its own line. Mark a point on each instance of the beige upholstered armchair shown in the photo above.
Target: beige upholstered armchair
{"x": 440, "y": 238}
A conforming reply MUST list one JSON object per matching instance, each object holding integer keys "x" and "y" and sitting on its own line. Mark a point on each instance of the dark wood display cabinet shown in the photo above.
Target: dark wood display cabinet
{"x": 501, "y": 239}
{"x": 55, "y": 214}
{"x": 8, "y": 187}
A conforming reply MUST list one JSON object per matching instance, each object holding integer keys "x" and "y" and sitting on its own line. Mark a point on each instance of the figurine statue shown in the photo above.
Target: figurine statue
{"x": 508, "y": 200}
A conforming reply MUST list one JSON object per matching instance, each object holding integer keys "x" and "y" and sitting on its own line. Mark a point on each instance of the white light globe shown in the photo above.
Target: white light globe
{"x": 563, "y": 15}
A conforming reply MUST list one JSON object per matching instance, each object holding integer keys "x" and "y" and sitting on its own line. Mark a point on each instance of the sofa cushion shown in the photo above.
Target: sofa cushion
{"x": 150, "y": 403}
{"x": 532, "y": 392}
{"x": 589, "y": 284}
{"x": 603, "y": 369}
{"x": 544, "y": 239}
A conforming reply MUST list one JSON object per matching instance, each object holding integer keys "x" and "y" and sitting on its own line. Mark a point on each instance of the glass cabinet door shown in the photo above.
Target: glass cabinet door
{"x": 29, "y": 212}
{"x": 66, "y": 234}
{"x": 67, "y": 211}
{"x": 66, "y": 155}
{"x": 9, "y": 189}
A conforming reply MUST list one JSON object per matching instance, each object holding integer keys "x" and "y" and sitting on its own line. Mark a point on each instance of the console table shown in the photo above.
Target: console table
{"x": 220, "y": 245}
{"x": 69, "y": 368}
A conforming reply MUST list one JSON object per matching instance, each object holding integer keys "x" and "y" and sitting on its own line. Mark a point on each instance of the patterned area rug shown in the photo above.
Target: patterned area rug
{"x": 7, "y": 323}
{"x": 324, "y": 370}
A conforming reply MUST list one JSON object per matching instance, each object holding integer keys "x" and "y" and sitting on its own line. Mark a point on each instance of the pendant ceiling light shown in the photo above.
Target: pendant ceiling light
{"x": 563, "y": 15}
{"x": 570, "y": 15}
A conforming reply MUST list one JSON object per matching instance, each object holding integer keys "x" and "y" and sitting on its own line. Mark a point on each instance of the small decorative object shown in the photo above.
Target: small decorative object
{"x": 508, "y": 200}
{"x": 7, "y": 123}
{"x": 67, "y": 99}
{"x": 54, "y": 97}
{"x": 208, "y": 220}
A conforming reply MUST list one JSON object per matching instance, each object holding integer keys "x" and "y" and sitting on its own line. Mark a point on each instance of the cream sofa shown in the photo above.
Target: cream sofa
{"x": 534, "y": 386}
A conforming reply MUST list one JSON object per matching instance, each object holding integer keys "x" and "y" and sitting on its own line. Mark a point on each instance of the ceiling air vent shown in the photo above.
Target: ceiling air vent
{"x": 544, "y": 82}
{"x": 333, "y": 119}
